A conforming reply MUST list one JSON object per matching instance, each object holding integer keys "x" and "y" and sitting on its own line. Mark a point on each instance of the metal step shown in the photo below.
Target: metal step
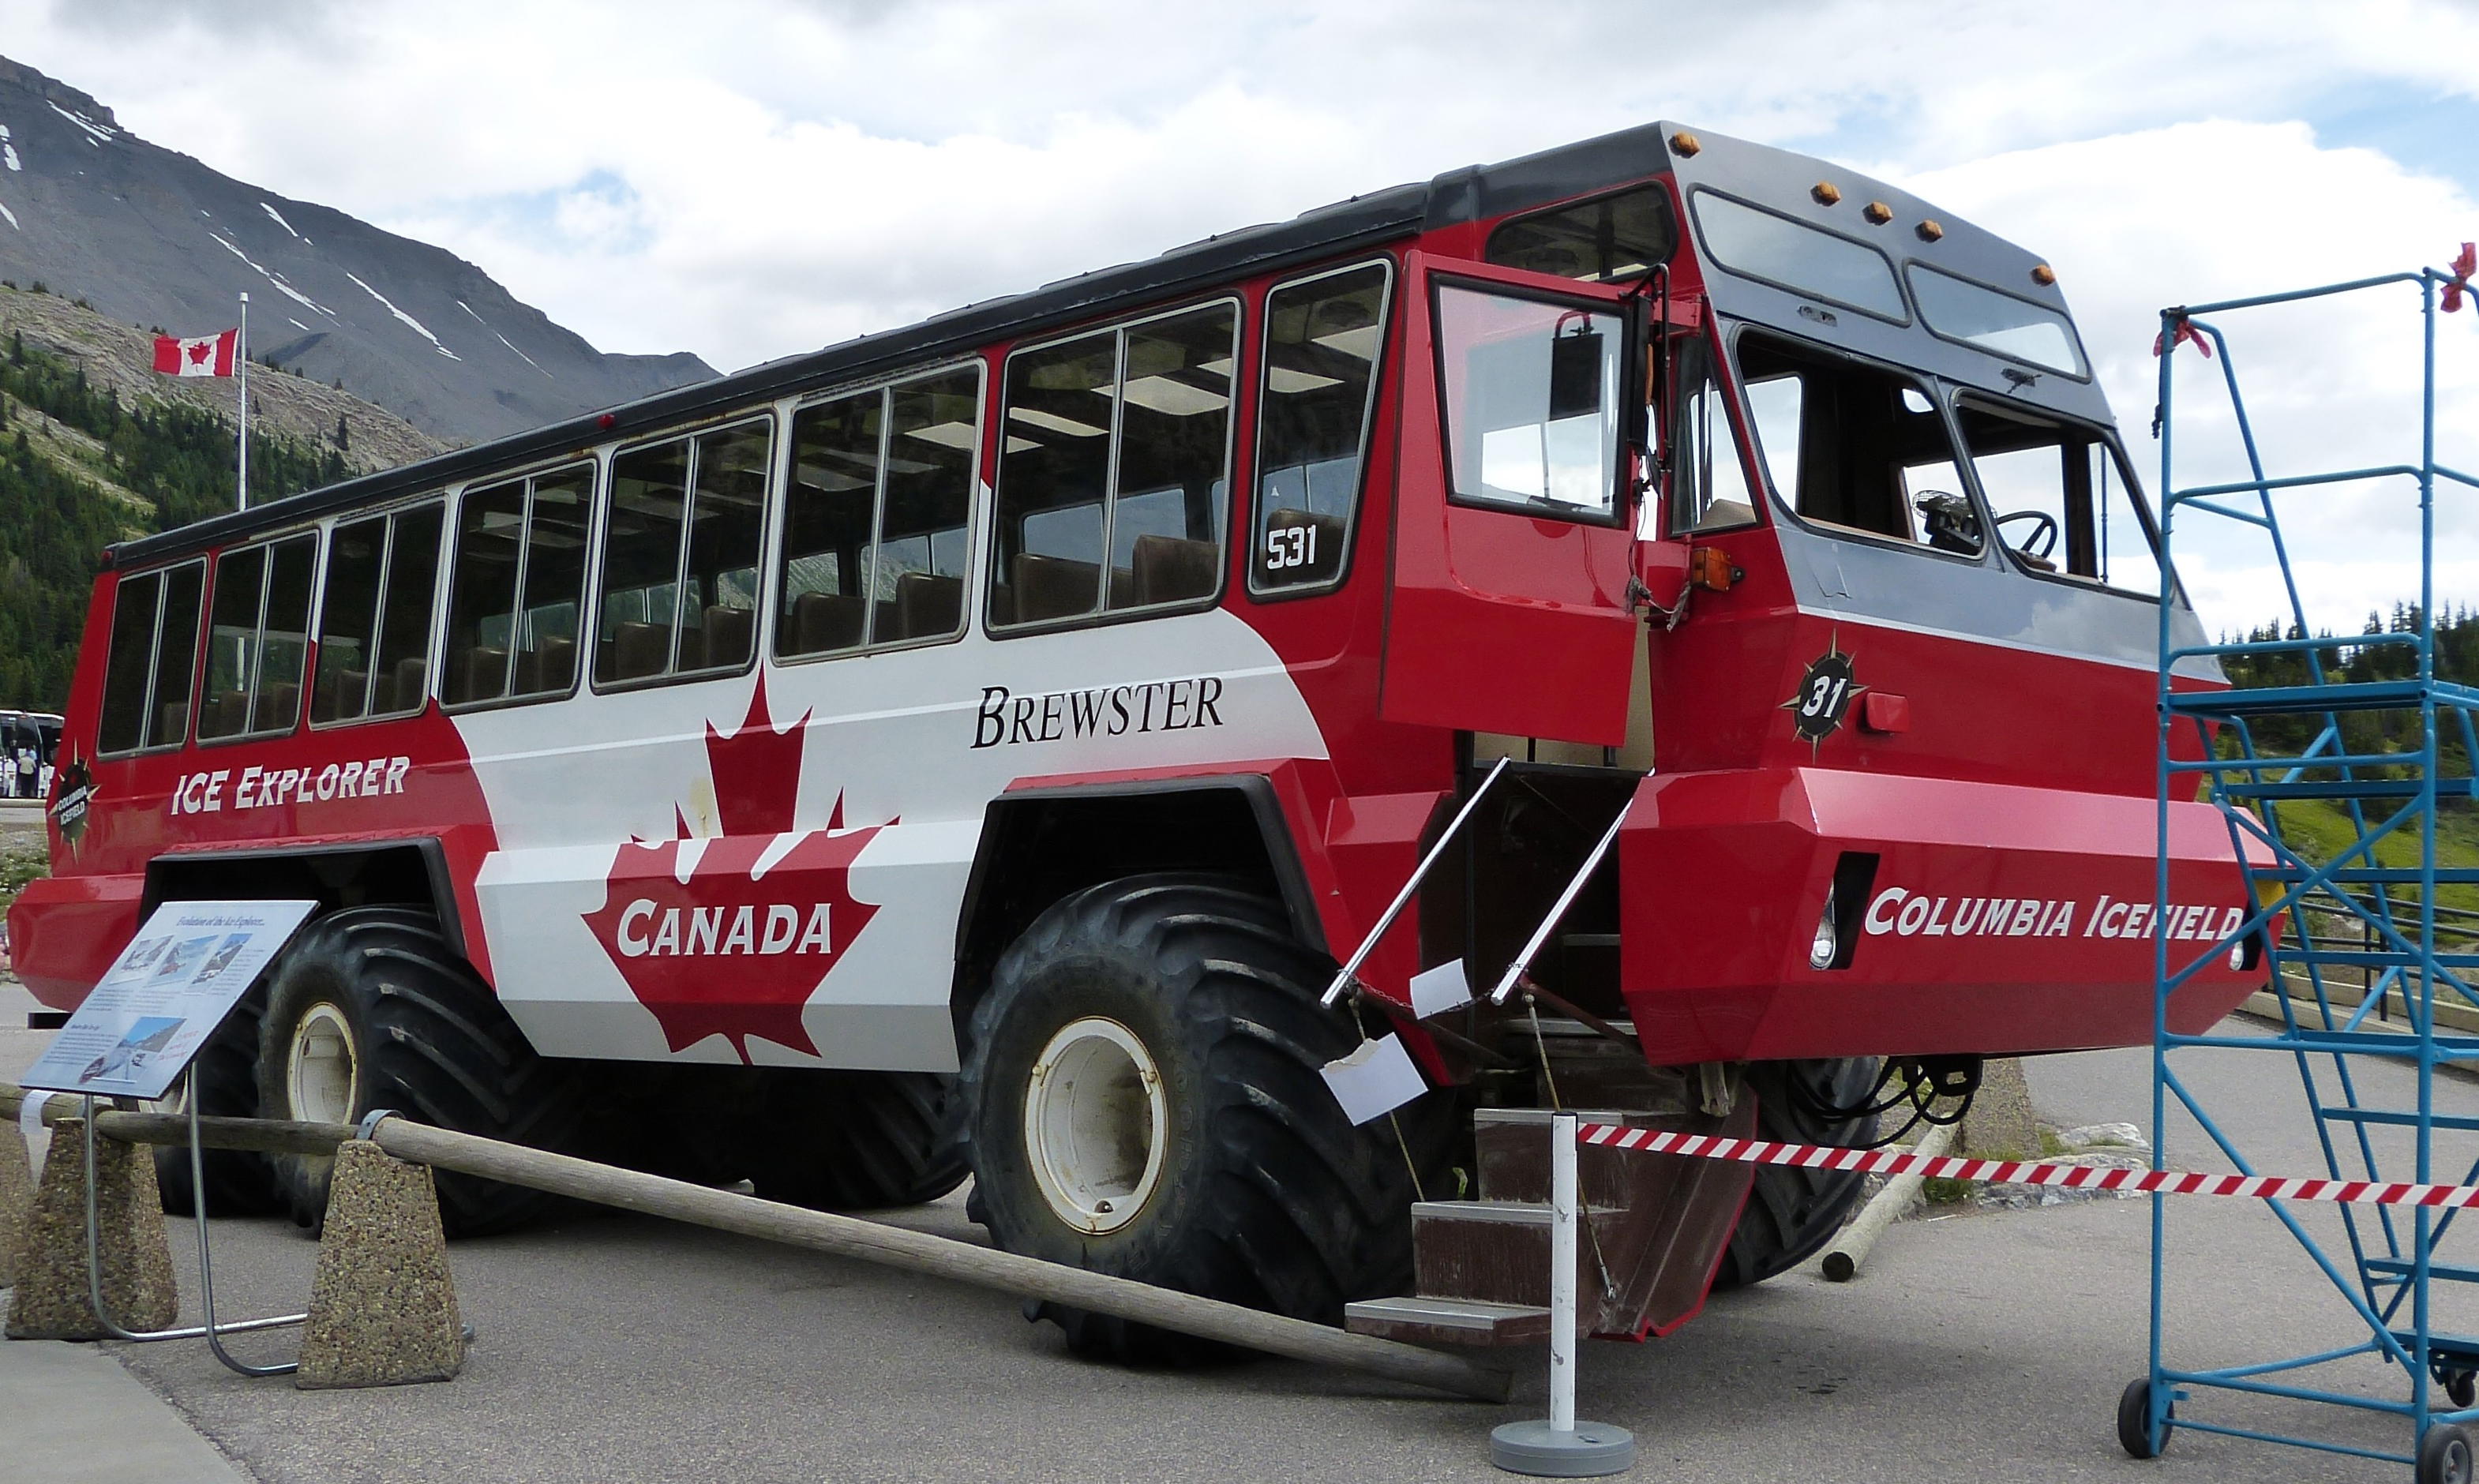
{"x": 2345, "y": 788}
{"x": 2365, "y": 876}
{"x": 1448, "y": 1322}
{"x": 1539, "y": 1117}
{"x": 1494, "y": 1213}
{"x": 2442, "y": 1272}
{"x": 2360, "y": 695}
{"x": 2399, "y": 1118}
{"x": 2378, "y": 958}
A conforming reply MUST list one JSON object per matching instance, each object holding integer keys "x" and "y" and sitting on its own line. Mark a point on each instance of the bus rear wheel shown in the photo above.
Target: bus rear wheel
{"x": 372, "y": 1007}
{"x": 1141, "y": 1083}
{"x": 840, "y": 1141}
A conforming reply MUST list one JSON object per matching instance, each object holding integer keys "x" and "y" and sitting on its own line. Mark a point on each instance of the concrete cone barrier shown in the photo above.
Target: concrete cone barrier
{"x": 50, "y": 1300}
{"x": 382, "y": 1306}
{"x": 2001, "y": 1123}
{"x": 16, "y": 1202}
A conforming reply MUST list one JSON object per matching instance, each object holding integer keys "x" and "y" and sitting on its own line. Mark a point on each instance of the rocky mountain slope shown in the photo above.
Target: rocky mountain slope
{"x": 95, "y": 446}
{"x": 153, "y": 237}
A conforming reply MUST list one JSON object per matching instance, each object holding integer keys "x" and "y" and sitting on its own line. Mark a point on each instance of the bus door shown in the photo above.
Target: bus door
{"x": 1513, "y": 516}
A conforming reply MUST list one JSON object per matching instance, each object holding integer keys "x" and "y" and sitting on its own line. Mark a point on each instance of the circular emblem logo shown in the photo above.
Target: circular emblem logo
{"x": 72, "y": 791}
{"x": 1824, "y": 696}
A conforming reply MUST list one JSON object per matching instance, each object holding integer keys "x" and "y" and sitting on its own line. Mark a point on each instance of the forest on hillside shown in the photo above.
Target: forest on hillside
{"x": 54, "y": 524}
{"x": 2363, "y": 733}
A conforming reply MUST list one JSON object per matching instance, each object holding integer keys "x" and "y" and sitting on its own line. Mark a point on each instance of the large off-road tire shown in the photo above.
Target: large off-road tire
{"x": 1141, "y": 1082}
{"x": 1792, "y": 1214}
{"x": 840, "y": 1141}
{"x": 238, "y": 1182}
{"x": 371, "y": 1008}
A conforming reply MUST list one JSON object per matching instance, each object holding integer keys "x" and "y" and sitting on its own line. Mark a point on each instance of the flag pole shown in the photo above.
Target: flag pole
{"x": 241, "y": 370}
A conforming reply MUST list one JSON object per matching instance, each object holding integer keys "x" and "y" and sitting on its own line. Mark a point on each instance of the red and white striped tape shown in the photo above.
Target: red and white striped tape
{"x": 1888, "y": 1161}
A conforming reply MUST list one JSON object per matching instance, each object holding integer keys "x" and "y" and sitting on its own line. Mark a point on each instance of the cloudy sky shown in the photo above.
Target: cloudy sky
{"x": 750, "y": 178}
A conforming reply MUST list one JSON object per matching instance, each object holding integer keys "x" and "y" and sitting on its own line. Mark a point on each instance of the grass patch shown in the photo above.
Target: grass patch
{"x": 2319, "y": 829}
{"x": 18, "y": 866}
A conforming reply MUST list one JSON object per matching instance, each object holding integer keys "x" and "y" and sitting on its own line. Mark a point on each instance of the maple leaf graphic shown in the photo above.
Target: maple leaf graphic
{"x": 730, "y": 936}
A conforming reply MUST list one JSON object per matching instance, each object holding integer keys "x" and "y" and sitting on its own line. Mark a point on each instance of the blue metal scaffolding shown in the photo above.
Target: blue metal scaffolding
{"x": 2351, "y": 936}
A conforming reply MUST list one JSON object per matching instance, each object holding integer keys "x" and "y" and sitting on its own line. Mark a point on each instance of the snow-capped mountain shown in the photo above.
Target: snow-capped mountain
{"x": 155, "y": 238}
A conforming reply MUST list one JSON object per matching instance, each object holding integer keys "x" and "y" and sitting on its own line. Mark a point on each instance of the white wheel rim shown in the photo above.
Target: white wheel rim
{"x": 1094, "y": 1118}
{"x": 320, "y": 1075}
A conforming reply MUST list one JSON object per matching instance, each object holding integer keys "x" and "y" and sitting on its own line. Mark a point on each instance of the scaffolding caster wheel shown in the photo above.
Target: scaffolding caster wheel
{"x": 2461, "y": 1387}
{"x": 2134, "y": 1425}
{"x": 2444, "y": 1455}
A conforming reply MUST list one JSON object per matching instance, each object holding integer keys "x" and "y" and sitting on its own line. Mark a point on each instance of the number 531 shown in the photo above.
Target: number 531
{"x": 1291, "y": 545}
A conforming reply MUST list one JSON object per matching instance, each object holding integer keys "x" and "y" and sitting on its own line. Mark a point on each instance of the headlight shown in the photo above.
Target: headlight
{"x": 1828, "y": 942}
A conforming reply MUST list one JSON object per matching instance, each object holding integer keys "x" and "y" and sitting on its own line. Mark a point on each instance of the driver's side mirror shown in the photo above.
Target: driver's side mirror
{"x": 1575, "y": 373}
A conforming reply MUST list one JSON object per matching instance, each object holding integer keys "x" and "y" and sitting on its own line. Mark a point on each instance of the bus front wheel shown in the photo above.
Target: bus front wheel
{"x": 1141, "y": 1082}
{"x": 372, "y": 1007}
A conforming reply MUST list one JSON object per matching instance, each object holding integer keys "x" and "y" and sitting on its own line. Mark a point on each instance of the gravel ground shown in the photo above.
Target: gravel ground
{"x": 1977, "y": 1345}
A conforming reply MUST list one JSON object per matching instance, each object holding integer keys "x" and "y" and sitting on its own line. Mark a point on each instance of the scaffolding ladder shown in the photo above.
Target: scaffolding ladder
{"x": 2361, "y": 952}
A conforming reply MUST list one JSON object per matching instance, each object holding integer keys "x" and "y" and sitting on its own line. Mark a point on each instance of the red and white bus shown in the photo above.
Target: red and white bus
{"x": 974, "y": 745}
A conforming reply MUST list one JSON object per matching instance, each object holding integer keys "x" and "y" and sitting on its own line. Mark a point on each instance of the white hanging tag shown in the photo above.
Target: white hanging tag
{"x": 1436, "y": 991}
{"x": 1376, "y": 1079}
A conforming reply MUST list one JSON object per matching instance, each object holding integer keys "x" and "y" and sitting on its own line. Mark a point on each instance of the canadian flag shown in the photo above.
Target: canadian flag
{"x": 208, "y": 355}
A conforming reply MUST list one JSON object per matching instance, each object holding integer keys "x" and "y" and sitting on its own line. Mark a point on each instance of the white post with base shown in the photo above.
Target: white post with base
{"x": 1561, "y": 1447}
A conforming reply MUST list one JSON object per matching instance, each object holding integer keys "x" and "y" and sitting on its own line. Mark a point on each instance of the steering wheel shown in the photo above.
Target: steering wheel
{"x": 2043, "y": 539}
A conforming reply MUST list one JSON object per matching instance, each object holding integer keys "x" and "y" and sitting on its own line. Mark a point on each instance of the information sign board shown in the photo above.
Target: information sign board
{"x": 163, "y": 996}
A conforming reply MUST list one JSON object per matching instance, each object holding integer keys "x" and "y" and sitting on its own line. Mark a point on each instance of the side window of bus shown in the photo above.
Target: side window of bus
{"x": 2062, "y": 505}
{"x": 1600, "y": 241}
{"x": 257, "y": 640}
{"x": 375, "y": 616}
{"x": 514, "y": 597}
{"x": 1858, "y": 447}
{"x": 1312, "y": 416}
{"x": 1114, "y": 470}
{"x": 679, "y": 595}
{"x": 1708, "y": 483}
{"x": 877, "y": 519}
{"x": 154, "y": 652}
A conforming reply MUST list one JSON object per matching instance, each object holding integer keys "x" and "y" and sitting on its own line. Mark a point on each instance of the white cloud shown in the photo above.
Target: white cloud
{"x": 752, "y": 178}
{"x": 2218, "y": 209}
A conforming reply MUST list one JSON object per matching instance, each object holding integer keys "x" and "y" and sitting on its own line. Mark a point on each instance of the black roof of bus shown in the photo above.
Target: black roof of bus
{"x": 1474, "y": 193}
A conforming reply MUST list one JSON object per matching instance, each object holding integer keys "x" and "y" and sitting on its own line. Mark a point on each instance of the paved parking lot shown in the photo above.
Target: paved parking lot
{"x": 1977, "y": 1346}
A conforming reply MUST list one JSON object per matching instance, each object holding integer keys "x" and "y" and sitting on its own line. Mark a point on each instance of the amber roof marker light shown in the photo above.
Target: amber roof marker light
{"x": 1686, "y": 144}
{"x": 1825, "y": 193}
{"x": 2043, "y": 274}
{"x": 1929, "y": 229}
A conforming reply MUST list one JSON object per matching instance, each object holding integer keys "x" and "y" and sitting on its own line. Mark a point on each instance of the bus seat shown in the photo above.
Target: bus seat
{"x": 1170, "y": 568}
{"x": 822, "y": 621}
{"x": 169, "y": 718}
{"x": 478, "y": 673}
{"x": 637, "y": 651}
{"x": 1051, "y": 587}
{"x": 927, "y": 606}
{"x": 232, "y": 714}
{"x": 279, "y": 708}
{"x": 727, "y": 634}
{"x": 338, "y": 696}
{"x": 548, "y": 667}
{"x": 410, "y": 683}
{"x": 382, "y": 695}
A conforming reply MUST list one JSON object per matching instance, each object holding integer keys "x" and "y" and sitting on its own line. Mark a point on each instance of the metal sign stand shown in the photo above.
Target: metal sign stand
{"x": 1562, "y": 1447}
{"x": 212, "y": 1331}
